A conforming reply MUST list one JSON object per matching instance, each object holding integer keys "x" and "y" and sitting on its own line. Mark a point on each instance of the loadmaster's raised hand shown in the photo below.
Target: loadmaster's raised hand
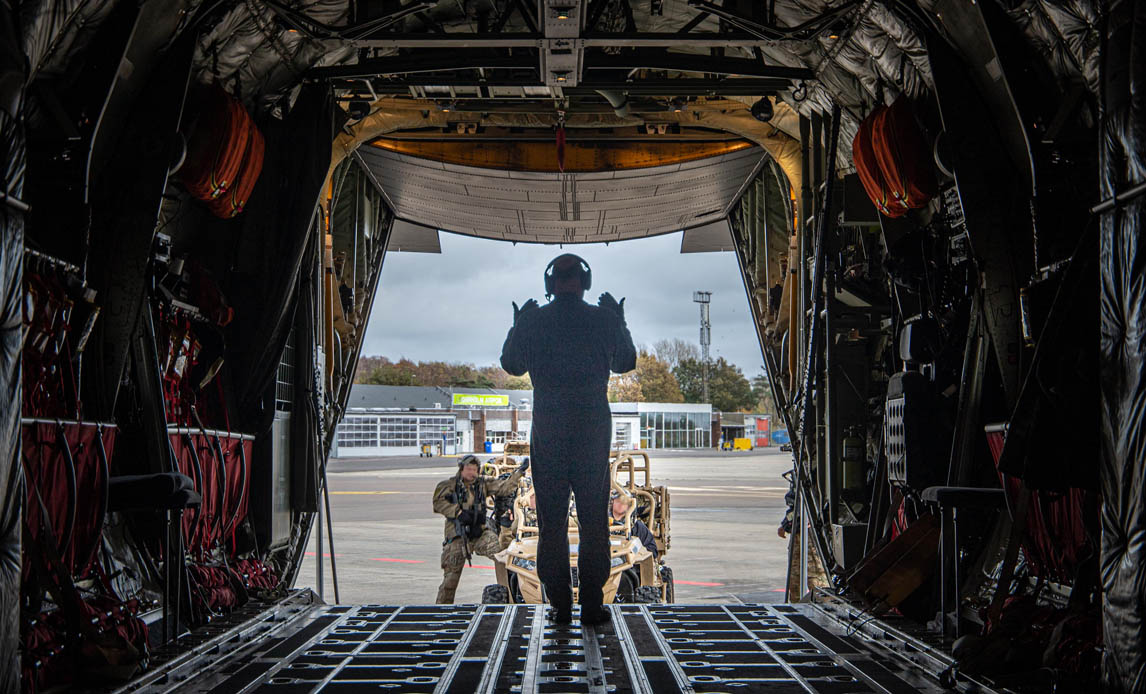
{"x": 526, "y": 307}
{"x": 606, "y": 300}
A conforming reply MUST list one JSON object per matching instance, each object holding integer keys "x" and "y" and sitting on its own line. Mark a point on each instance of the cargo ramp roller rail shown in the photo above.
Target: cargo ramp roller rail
{"x": 300, "y": 646}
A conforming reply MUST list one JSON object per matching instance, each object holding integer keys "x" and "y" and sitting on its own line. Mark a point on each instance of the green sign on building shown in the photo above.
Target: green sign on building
{"x": 481, "y": 400}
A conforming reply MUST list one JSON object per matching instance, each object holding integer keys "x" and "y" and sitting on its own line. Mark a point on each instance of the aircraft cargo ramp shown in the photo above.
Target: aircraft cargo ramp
{"x": 303, "y": 646}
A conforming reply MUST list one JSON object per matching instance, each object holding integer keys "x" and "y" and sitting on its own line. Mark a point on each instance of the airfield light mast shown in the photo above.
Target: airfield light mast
{"x": 704, "y": 298}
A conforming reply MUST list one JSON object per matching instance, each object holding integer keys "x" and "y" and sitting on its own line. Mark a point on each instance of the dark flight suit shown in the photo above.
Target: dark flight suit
{"x": 569, "y": 347}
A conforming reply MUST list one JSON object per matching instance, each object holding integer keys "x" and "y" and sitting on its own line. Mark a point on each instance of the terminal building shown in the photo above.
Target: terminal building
{"x": 400, "y": 420}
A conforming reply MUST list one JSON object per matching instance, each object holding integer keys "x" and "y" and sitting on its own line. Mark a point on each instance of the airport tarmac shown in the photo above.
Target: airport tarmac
{"x": 725, "y": 510}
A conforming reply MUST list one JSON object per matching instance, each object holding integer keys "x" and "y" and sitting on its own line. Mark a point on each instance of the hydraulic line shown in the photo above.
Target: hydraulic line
{"x": 242, "y": 486}
{"x": 811, "y": 363}
{"x": 73, "y": 491}
{"x": 329, "y": 533}
{"x": 318, "y": 445}
{"x": 198, "y": 470}
{"x": 218, "y": 452}
{"x": 618, "y": 100}
{"x": 771, "y": 369}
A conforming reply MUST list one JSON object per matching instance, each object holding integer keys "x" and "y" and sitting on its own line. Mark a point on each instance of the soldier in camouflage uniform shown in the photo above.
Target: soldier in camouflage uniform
{"x": 461, "y": 499}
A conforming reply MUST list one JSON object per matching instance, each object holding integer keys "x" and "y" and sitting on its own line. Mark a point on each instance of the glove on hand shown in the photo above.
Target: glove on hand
{"x": 467, "y": 516}
{"x": 524, "y": 466}
{"x": 527, "y": 306}
{"x": 606, "y": 300}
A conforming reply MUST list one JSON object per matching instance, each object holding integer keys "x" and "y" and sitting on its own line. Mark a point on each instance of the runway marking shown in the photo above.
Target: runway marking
{"x": 726, "y": 490}
{"x": 696, "y": 583}
{"x": 748, "y": 495}
{"x": 398, "y": 561}
{"x": 375, "y": 493}
{"x": 325, "y": 554}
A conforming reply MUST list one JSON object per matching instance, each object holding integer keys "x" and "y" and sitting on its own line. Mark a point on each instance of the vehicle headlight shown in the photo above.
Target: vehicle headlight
{"x": 616, "y": 561}
{"x": 526, "y": 564}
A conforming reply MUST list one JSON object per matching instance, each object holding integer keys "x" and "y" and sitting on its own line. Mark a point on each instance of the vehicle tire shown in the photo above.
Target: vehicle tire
{"x": 495, "y": 594}
{"x": 626, "y": 589}
{"x": 670, "y": 588}
{"x": 648, "y": 595}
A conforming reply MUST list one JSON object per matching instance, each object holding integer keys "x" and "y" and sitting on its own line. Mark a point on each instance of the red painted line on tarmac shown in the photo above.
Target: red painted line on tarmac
{"x": 483, "y": 566}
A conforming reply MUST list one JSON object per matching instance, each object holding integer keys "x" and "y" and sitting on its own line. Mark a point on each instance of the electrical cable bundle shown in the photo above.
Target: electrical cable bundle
{"x": 224, "y": 154}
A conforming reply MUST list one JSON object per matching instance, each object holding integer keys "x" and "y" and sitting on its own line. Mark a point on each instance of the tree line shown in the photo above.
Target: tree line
{"x": 381, "y": 371}
{"x": 669, "y": 371}
{"x": 673, "y": 371}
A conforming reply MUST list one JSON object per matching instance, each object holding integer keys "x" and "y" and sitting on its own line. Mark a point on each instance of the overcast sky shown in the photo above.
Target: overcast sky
{"x": 456, "y": 306}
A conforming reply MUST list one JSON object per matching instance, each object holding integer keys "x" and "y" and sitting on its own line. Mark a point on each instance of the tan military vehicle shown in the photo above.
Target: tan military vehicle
{"x": 507, "y": 461}
{"x": 635, "y": 574}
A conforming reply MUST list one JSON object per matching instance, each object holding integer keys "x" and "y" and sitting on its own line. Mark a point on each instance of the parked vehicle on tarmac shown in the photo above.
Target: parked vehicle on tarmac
{"x": 636, "y": 575}
{"x": 741, "y": 444}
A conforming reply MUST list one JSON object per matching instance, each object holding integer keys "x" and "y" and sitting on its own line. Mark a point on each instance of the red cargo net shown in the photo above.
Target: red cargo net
{"x": 66, "y": 469}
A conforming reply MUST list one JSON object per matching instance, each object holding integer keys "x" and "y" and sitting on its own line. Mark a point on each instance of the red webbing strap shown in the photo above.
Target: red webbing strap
{"x": 50, "y": 567}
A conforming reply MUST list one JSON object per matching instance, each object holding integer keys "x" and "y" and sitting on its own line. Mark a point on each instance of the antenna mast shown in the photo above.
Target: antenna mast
{"x": 704, "y": 298}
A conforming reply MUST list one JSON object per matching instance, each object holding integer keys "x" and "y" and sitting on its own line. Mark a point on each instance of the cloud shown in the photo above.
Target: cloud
{"x": 456, "y": 306}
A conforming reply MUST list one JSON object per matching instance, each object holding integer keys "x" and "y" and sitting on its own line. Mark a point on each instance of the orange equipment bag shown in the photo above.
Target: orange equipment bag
{"x": 224, "y": 154}
{"x": 893, "y": 160}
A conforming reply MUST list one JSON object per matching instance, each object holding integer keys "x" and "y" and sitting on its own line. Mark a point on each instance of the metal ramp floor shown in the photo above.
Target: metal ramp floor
{"x": 461, "y": 649}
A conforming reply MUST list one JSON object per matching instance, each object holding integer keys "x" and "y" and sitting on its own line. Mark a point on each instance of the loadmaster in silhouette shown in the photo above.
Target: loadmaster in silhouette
{"x": 568, "y": 347}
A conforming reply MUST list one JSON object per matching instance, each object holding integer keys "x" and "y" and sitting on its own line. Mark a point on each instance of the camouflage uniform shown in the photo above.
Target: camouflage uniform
{"x": 454, "y": 547}
{"x": 506, "y": 536}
